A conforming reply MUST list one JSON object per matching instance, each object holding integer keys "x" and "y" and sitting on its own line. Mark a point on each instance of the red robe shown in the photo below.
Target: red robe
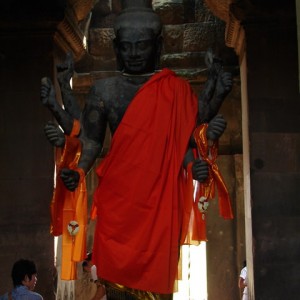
{"x": 139, "y": 199}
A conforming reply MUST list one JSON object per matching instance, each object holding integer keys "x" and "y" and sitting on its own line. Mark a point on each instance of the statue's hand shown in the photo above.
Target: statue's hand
{"x": 200, "y": 170}
{"x": 47, "y": 93}
{"x": 213, "y": 63}
{"x": 54, "y": 134}
{"x": 216, "y": 127}
{"x": 70, "y": 178}
{"x": 224, "y": 84}
{"x": 65, "y": 70}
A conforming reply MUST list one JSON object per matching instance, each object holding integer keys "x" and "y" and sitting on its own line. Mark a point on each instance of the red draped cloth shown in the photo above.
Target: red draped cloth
{"x": 139, "y": 199}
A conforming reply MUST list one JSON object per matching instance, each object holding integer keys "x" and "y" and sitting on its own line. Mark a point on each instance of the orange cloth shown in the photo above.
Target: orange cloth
{"x": 69, "y": 206}
{"x": 193, "y": 224}
{"x": 139, "y": 199}
{"x": 215, "y": 179}
{"x": 194, "y": 221}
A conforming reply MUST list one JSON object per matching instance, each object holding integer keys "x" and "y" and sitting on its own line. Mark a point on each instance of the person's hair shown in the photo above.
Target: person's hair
{"x": 84, "y": 264}
{"x": 20, "y": 269}
{"x": 89, "y": 256}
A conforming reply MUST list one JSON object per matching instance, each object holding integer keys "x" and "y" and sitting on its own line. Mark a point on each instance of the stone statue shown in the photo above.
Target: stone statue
{"x": 151, "y": 115}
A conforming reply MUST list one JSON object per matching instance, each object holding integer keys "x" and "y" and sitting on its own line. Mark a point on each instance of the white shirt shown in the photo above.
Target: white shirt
{"x": 94, "y": 273}
{"x": 244, "y": 276}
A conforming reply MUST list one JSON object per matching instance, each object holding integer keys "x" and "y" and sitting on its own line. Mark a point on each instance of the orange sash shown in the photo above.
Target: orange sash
{"x": 69, "y": 209}
{"x": 215, "y": 179}
{"x": 194, "y": 222}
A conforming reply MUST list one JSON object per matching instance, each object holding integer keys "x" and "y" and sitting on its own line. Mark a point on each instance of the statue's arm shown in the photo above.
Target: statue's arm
{"x": 216, "y": 88}
{"x": 64, "y": 116}
{"x": 215, "y": 129}
{"x": 93, "y": 128}
{"x": 54, "y": 134}
{"x": 48, "y": 98}
{"x": 65, "y": 72}
{"x": 223, "y": 87}
{"x": 199, "y": 167}
{"x": 94, "y": 123}
{"x": 205, "y": 97}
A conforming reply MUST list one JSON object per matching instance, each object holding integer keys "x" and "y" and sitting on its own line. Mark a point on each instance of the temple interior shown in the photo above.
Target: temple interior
{"x": 258, "y": 153}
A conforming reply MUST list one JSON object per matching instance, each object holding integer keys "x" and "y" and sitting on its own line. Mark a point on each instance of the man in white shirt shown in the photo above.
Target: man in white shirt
{"x": 100, "y": 293}
{"x": 243, "y": 282}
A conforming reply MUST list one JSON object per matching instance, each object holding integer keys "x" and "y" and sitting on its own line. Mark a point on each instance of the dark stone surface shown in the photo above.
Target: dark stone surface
{"x": 101, "y": 42}
{"x": 26, "y": 174}
{"x": 274, "y": 153}
{"x": 173, "y": 38}
{"x": 27, "y": 15}
{"x": 225, "y": 246}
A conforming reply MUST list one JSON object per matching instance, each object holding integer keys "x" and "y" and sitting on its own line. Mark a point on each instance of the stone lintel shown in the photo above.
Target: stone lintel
{"x": 69, "y": 38}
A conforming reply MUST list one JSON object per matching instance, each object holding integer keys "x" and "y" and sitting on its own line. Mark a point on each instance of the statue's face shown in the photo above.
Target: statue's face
{"x": 137, "y": 49}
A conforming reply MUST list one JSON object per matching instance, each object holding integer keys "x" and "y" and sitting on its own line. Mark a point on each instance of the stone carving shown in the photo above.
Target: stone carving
{"x": 151, "y": 114}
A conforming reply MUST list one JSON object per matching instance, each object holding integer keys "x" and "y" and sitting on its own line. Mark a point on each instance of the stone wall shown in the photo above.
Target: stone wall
{"x": 274, "y": 135}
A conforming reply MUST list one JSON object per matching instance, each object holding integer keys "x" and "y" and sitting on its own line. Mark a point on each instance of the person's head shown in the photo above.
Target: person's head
{"x": 86, "y": 266}
{"x": 87, "y": 263}
{"x": 24, "y": 273}
{"x": 89, "y": 256}
{"x": 138, "y": 39}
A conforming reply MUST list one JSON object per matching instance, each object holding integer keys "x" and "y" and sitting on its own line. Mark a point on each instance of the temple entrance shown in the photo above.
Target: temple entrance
{"x": 193, "y": 285}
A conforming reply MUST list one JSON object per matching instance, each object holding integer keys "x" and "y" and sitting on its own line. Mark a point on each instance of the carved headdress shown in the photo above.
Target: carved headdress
{"x": 138, "y": 14}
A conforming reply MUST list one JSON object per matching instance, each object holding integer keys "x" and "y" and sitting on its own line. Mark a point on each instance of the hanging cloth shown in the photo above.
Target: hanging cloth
{"x": 68, "y": 209}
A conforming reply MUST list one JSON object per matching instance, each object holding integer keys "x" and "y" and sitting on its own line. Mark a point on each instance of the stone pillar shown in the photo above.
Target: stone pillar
{"x": 225, "y": 245}
{"x": 274, "y": 139}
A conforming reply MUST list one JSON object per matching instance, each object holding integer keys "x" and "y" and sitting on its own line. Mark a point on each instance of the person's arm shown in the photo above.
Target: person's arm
{"x": 94, "y": 273}
{"x": 100, "y": 292}
{"x": 242, "y": 284}
{"x": 242, "y": 279}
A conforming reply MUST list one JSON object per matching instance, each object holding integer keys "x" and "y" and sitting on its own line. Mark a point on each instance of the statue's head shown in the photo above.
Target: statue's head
{"x": 138, "y": 37}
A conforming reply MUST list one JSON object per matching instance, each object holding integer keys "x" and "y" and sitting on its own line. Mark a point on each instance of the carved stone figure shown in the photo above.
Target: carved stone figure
{"x": 151, "y": 114}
